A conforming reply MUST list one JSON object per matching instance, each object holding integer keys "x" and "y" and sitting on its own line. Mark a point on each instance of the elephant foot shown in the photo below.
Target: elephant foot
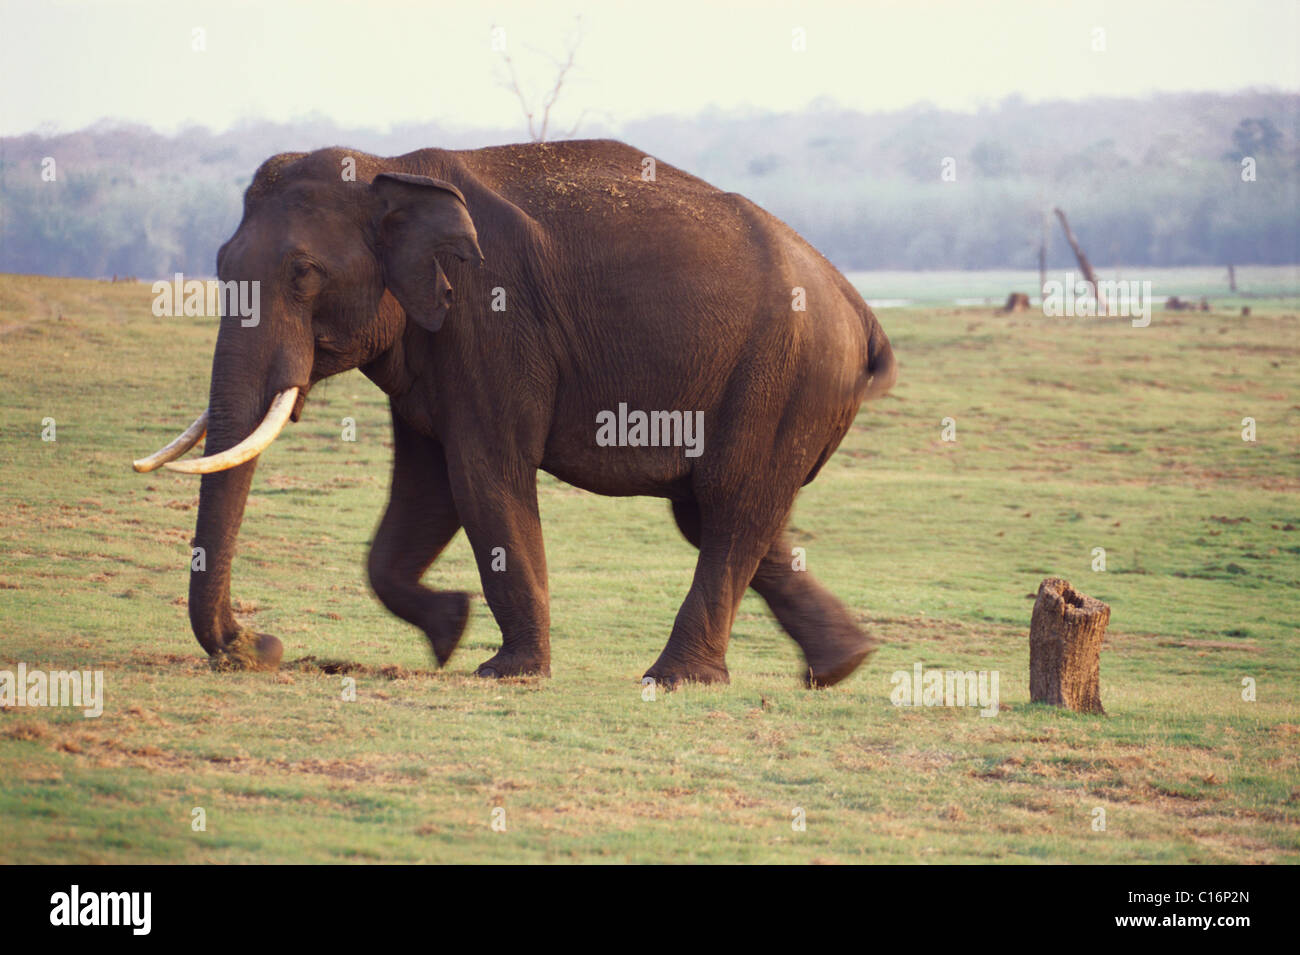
{"x": 828, "y": 664}
{"x": 448, "y": 624}
{"x": 248, "y": 651}
{"x": 669, "y": 675}
{"x": 514, "y": 664}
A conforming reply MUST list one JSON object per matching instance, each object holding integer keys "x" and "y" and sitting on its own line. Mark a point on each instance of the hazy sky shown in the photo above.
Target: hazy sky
{"x": 64, "y": 65}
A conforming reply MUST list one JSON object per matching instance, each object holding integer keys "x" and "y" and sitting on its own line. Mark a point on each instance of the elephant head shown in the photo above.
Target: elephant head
{"x": 320, "y": 252}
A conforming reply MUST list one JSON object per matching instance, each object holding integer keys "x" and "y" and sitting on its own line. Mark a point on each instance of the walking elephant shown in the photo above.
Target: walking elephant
{"x": 540, "y": 306}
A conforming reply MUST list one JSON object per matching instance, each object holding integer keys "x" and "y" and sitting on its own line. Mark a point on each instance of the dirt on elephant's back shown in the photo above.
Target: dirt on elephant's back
{"x": 593, "y": 177}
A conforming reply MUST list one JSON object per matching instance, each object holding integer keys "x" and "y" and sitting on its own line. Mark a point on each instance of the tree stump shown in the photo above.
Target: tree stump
{"x": 1065, "y": 635}
{"x": 1016, "y": 302}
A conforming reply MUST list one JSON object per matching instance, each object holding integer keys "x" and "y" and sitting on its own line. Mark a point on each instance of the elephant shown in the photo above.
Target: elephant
{"x": 513, "y": 303}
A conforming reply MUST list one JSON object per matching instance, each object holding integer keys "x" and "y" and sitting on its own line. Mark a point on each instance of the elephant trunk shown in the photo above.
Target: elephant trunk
{"x": 222, "y": 497}
{"x": 243, "y": 389}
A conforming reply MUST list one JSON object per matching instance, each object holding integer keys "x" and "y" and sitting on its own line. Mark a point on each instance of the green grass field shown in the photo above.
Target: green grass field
{"x": 1071, "y": 435}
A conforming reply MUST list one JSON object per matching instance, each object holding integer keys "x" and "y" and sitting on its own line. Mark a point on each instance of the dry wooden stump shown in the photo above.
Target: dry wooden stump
{"x": 1065, "y": 635}
{"x": 1016, "y": 302}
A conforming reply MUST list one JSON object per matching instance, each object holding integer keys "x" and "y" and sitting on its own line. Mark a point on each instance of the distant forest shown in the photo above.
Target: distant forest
{"x": 1154, "y": 182}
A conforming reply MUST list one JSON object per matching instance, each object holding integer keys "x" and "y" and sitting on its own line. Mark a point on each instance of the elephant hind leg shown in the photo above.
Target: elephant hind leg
{"x": 731, "y": 545}
{"x": 833, "y": 645}
{"x": 419, "y": 523}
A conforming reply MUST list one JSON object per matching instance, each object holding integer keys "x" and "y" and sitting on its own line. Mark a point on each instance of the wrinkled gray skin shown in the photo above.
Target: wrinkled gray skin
{"x": 665, "y": 294}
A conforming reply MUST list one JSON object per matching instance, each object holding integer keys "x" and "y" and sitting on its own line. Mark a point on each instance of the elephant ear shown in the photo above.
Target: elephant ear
{"x": 418, "y": 217}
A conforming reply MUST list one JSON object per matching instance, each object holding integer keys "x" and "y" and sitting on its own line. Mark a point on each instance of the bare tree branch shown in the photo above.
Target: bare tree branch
{"x": 518, "y": 91}
{"x": 578, "y": 122}
{"x": 535, "y": 132}
{"x": 555, "y": 91}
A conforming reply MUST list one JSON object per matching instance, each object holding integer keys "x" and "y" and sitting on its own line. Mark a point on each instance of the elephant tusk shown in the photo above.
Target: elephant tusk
{"x": 188, "y": 438}
{"x": 257, "y": 442}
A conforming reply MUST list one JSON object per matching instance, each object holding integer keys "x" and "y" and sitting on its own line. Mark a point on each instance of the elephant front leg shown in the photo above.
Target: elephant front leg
{"x": 420, "y": 521}
{"x": 505, "y": 530}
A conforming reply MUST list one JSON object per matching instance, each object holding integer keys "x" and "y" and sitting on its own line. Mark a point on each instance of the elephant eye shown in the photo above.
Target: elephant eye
{"x": 306, "y": 276}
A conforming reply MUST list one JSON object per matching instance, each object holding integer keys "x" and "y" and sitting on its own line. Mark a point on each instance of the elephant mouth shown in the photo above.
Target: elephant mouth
{"x": 284, "y": 406}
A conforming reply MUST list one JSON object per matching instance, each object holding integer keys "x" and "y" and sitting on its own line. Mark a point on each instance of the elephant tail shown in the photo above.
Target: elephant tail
{"x": 882, "y": 368}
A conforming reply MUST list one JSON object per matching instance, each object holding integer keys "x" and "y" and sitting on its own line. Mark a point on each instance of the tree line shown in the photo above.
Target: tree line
{"x": 1188, "y": 179}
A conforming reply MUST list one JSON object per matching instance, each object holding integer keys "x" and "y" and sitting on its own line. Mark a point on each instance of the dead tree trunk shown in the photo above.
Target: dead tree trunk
{"x": 1084, "y": 265}
{"x": 1065, "y": 635}
{"x": 1044, "y": 241}
{"x": 1042, "y": 258}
